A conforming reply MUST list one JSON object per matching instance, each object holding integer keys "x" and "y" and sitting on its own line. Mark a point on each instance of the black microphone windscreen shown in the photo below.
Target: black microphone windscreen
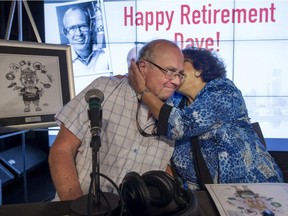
{"x": 94, "y": 93}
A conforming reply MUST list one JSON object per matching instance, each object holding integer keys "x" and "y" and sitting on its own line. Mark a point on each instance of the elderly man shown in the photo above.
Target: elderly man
{"x": 128, "y": 142}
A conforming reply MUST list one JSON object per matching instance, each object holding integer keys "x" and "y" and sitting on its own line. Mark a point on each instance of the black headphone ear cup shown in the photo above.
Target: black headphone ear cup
{"x": 160, "y": 186}
{"x": 135, "y": 193}
{"x": 191, "y": 208}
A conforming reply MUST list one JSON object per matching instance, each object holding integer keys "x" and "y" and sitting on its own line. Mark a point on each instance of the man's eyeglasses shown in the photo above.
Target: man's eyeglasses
{"x": 142, "y": 131}
{"x": 72, "y": 29}
{"x": 169, "y": 74}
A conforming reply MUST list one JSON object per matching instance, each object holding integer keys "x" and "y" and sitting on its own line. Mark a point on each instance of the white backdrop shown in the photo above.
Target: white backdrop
{"x": 250, "y": 35}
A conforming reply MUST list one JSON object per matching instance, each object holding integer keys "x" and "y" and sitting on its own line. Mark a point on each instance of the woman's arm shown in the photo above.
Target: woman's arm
{"x": 137, "y": 82}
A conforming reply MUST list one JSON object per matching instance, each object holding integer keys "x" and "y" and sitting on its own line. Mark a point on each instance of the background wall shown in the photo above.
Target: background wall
{"x": 37, "y": 11}
{"x": 251, "y": 36}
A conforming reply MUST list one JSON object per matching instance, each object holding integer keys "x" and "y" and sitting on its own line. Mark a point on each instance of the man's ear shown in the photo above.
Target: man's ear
{"x": 142, "y": 67}
{"x": 64, "y": 30}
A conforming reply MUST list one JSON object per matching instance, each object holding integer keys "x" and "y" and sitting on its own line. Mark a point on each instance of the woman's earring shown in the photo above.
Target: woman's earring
{"x": 197, "y": 74}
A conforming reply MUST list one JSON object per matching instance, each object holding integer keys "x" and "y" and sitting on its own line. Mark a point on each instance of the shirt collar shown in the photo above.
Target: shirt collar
{"x": 75, "y": 56}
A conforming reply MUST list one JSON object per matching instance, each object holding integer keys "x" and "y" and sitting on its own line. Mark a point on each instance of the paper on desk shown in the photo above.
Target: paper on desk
{"x": 250, "y": 199}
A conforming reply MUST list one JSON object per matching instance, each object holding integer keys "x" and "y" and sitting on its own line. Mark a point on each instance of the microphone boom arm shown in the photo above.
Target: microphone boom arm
{"x": 95, "y": 145}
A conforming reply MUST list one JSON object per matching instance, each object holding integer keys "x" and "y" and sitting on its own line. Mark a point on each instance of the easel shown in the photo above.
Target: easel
{"x": 20, "y": 38}
{"x": 20, "y": 26}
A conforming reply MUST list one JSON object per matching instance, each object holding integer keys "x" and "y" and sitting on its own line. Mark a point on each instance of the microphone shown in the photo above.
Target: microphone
{"x": 95, "y": 202}
{"x": 94, "y": 98}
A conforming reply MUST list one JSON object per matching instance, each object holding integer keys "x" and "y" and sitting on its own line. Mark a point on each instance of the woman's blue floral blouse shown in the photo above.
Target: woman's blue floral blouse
{"x": 231, "y": 149}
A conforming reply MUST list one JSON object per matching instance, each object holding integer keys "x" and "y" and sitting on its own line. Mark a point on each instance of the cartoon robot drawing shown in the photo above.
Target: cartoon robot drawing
{"x": 28, "y": 84}
{"x": 30, "y": 92}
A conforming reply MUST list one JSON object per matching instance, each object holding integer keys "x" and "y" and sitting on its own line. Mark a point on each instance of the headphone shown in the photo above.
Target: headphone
{"x": 156, "y": 193}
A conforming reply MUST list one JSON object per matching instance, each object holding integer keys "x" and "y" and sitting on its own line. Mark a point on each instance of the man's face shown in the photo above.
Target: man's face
{"x": 156, "y": 81}
{"x": 73, "y": 23}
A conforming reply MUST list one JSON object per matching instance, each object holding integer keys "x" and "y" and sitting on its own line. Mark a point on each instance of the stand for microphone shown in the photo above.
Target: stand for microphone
{"x": 96, "y": 202}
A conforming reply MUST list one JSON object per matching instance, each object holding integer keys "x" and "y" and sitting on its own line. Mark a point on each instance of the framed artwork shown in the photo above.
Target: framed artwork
{"x": 36, "y": 82}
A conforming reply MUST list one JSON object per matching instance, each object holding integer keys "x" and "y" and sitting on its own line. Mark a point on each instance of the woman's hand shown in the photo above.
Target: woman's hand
{"x": 135, "y": 77}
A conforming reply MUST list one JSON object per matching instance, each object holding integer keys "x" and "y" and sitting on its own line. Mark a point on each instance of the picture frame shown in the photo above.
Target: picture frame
{"x": 36, "y": 82}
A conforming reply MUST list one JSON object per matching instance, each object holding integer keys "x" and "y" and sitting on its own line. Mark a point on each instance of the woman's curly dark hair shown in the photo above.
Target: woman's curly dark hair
{"x": 205, "y": 61}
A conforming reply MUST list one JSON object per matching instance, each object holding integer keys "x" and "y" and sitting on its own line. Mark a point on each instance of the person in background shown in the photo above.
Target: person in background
{"x": 209, "y": 106}
{"x": 128, "y": 142}
{"x": 87, "y": 58}
{"x": 133, "y": 53}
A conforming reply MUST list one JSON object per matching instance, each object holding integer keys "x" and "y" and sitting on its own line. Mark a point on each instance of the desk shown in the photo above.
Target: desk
{"x": 206, "y": 207}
